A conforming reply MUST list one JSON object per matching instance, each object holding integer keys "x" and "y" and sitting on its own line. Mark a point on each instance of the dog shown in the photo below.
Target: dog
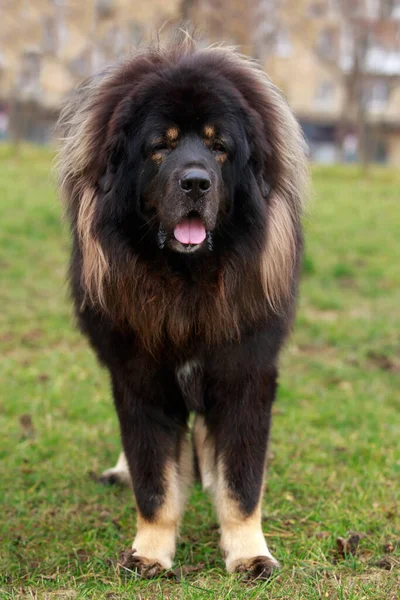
{"x": 183, "y": 174}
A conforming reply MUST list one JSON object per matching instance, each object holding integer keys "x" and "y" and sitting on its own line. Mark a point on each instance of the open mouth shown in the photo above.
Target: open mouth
{"x": 190, "y": 231}
{"x": 188, "y": 236}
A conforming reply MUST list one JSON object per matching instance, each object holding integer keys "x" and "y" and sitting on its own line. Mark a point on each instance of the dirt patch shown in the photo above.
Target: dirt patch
{"x": 347, "y": 282}
{"x": 43, "y": 377}
{"x": 33, "y": 336}
{"x": 348, "y": 546}
{"x": 383, "y": 362}
{"x": 7, "y": 337}
{"x": 28, "y": 429}
{"x": 386, "y": 562}
{"x": 388, "y": 548}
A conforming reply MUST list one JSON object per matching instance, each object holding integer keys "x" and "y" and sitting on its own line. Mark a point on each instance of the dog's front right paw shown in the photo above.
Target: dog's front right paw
{"x": 147, "y": 568}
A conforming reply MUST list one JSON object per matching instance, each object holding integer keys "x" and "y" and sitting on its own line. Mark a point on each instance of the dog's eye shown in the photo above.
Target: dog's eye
{"x": 159, "y": 152}
{"x": 218, "y": 147}
{"x": 161, "y": 147}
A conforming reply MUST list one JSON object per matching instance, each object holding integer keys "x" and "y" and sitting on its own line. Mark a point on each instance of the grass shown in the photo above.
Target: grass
{"x": 335, "y": 459}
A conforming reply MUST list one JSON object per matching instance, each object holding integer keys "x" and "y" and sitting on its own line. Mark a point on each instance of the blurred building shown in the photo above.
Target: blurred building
{"x": 48, "y": 46}
{"x": 340, "y": 70}
{"x": 337, "y": 61}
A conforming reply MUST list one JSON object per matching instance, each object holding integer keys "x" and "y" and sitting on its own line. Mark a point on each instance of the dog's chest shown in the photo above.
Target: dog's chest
{"x": 189, "y": 376}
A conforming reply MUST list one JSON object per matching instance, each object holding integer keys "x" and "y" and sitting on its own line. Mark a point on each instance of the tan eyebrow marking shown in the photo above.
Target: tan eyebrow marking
{"x": 172, "y": 134}
{"x": 209, "y": 131}
{"x": 157, "y": 157}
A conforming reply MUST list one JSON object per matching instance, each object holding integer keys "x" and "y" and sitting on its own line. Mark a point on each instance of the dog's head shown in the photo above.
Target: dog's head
{"x": 177, "y": 156}
{"x": 183, "y": 151}
{"x": 188, "y": 182}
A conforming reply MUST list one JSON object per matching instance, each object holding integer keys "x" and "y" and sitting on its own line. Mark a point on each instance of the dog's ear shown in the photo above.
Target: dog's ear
{"x": 265, "y": 186}
{"x": 114, "y": 157}
{"x": 106, "y": 181}
{"x": 268, "y": 169}
{"x": 264, "y": 176}
{"x": 263, "y": 165}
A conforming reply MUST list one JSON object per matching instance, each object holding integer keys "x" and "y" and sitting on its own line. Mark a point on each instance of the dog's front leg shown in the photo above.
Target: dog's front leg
{"x": 154, "y": 437}
{"x": 238, "y": 425}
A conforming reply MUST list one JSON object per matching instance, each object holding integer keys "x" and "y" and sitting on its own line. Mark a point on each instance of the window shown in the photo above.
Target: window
{"x": 54, "y": 31}
{"x": 49, "y": 36}
{"x": 333, "y": 7}
{"x": 105, "y": 8}
{"x": 377, "y": 96}
{"x": 326, "y": 44}
{"x": 388, "y": 9}
{"x": 324, "y": 95}
{"x": 317, "y": 9}
{"x": 283, "y": 45}
{"x": 380, "y": 151}
{"x": 372, "y": 8}
{"x": 29, "y": 75}
{"x": 81, "y": 65}
{"x": 395, "y": 13}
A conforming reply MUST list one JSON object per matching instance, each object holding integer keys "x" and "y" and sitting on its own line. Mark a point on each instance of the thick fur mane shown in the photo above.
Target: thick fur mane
{"x": 129, "y": 289}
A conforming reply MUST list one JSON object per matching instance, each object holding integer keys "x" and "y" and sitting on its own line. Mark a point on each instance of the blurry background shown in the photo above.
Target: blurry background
{"x": 336, "y": 61}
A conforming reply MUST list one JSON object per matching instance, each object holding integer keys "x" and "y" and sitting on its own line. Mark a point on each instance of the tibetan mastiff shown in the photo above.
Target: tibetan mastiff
{"x": 183, "y": 173}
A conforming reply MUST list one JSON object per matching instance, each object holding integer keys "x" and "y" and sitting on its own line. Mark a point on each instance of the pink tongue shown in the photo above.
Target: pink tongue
{"x": 190, "y": 231}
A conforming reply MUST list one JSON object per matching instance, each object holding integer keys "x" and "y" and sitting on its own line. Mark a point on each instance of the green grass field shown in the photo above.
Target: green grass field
{"x": 335, "y": 449}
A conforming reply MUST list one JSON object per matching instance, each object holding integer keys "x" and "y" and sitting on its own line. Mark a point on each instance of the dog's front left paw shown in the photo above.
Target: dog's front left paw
{"x": 258, "y": 567}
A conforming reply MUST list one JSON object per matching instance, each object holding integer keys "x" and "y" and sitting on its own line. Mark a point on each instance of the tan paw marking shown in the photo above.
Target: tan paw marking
{"x": 258, "y": 567}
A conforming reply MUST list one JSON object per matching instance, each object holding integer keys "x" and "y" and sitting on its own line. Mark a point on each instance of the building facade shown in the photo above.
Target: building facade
{"x": 337, "y": 62}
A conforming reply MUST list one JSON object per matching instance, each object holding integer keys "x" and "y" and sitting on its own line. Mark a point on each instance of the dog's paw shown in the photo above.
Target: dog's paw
{"x": 117, "y": 475}
{"x": 258, "y": 568}
{"x": 114, "y": 477}
{"x": 147, "y": 568}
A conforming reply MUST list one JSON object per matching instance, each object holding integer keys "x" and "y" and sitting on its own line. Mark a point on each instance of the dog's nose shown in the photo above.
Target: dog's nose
{"x": 195, "y": 182}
